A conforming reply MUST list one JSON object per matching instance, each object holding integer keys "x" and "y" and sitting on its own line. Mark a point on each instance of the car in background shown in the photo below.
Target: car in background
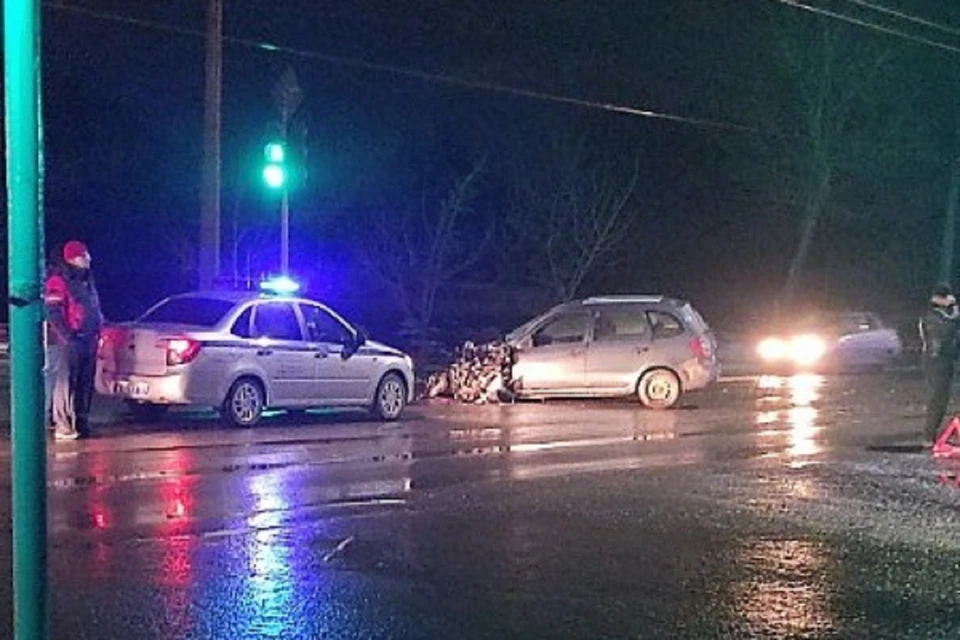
{"x": 242, "y": 352}
{"x": 652, "y": 347}
{"x": 847, "y": 340}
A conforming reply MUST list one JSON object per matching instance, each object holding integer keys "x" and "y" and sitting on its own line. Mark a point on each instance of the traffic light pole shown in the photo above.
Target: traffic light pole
{"x": 24, "y": 141}
{"x": 285, "y": 207}
{"x": 285, "y": 232}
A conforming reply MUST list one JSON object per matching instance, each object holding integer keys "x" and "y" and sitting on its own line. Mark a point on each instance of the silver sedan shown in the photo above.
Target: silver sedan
{"x": 242, "y": 352}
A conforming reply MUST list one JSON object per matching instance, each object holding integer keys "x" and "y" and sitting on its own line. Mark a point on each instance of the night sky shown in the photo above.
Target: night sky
{"x": 716, "y": 210}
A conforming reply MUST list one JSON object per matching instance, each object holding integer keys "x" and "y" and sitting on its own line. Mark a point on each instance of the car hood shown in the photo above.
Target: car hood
{"x": 378, "y": 348}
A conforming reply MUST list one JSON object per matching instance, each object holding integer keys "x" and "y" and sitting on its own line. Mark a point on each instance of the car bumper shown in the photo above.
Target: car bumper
{"x": 165, "y": 389}
{"x": 697, "y": 374}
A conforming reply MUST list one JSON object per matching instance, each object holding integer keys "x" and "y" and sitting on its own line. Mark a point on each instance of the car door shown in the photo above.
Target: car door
{"x": 553, "y": 359}
{"x": 282, "y": 352}
{"x": 336, "y": 379}
{"x": 619, "y": 348}
{"x": 865, "y": 341}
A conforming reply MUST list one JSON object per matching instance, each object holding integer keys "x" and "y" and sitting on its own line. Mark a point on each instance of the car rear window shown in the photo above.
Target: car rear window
{"x": 199, "y": 312}
{"x": 665, "y": 325}
{"x": 694, "y": 319}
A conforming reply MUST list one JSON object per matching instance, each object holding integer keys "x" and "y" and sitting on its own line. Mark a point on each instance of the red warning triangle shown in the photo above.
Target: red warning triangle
{"x": 942, "y": 448}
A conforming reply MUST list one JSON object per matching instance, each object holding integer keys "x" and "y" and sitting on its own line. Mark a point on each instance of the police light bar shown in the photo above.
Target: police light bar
{"x": 281, "y": 285}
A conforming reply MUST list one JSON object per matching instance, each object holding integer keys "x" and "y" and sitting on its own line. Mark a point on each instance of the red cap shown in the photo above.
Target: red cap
{"x": 73, "y": 250}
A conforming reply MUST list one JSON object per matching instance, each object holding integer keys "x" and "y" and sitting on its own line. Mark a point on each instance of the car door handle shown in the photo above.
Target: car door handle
{"x": 320, "y": 354}
{"x": 643, "y": 349}
{"x": 265, "y": 352}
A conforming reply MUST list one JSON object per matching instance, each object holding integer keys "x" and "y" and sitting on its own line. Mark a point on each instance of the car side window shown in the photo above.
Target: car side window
{"x": 570, "y": 328}
{"x": 241, "y": 328}
{"x": 323, "y": 327}
{"x": 277, "y": 321}
{"x": 664, "y": 325}
{"x": 620, "y": 324}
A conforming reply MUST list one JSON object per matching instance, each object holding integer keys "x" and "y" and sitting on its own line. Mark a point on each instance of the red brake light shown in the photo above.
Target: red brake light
{"x": 107, "y": 339}
{"x": 181, "y": 350}
{"x": 701, "y": 348}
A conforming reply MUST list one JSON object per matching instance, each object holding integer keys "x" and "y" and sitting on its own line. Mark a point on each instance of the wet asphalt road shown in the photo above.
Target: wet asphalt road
{"x": 771, "y": 508}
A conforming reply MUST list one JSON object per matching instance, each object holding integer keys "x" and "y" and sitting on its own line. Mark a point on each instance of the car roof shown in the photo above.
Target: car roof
{"x": 626, "y": 298}
{"x": 238, "y": 297}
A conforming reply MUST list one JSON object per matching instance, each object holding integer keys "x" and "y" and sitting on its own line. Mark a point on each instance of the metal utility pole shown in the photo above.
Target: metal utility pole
{"x": 210, "y": 192}
{"x": 950, "y": 224}
{"x": 24, "y": 133}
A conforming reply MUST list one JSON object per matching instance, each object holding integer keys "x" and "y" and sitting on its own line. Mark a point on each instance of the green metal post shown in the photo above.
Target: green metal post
{"x": 21, "y": 40}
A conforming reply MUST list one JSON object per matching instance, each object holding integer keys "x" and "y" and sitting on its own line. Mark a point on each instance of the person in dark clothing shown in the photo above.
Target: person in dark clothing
{"x": 74, "y": 322}
{"x": 938, "y": 331}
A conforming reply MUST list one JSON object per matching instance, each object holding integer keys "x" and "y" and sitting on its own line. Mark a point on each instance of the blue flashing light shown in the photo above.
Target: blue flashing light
{"x": 281, "y": 285}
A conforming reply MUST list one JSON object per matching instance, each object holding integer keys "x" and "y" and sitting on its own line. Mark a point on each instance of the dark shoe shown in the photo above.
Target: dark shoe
{"x": 65, "y": 434}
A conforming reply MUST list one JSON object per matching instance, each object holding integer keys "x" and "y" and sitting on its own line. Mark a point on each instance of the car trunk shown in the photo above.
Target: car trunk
{"x": 137, "y": 349}
{"x": 702, "y": 329}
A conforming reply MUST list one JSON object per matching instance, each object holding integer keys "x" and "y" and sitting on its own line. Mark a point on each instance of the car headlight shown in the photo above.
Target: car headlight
{"x": 807, "y": 349}
{"x": 772, "y": 349}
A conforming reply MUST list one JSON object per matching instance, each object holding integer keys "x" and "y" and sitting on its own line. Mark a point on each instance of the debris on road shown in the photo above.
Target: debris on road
{"x": 479, "y": 374}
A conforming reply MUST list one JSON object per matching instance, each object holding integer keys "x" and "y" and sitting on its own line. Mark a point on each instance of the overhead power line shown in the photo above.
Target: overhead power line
{"x": 869, "y": 25}
{"x": 438, "y": 78}
{"x": 907, "y": 17}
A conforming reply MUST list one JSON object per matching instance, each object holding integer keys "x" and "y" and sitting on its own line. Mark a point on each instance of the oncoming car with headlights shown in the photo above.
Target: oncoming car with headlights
{"x": 242, "y": 352}
{"x": 831, "y": 341}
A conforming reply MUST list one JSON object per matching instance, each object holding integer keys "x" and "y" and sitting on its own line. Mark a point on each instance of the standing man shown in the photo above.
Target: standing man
{"x": 74, "y": 318}
{"x": 54, "y": 358}
{"x": 938, "y": 331}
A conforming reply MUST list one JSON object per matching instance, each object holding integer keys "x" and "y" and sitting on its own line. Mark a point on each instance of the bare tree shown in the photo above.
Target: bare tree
{"x": 824, "y": 96}
{"x": 415, "y": 253}
{"x": 570, "y": 213}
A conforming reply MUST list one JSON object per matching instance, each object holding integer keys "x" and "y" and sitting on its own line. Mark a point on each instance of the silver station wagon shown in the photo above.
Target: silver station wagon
{"x": 243, "y": 352}
{"x": 653, "y": 347}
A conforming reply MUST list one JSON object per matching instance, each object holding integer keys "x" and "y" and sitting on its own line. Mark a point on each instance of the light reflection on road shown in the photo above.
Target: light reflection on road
{"x": 784, "y": 593}
{"x": 800, "y": 393}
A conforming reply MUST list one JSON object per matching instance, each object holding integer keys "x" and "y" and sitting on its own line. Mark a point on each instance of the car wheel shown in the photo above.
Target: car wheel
{"x": 146, "y": 411}
{"x": 659, "y": 389}
{"x": 243, "y": 406}
{"x": 391, "y": 398}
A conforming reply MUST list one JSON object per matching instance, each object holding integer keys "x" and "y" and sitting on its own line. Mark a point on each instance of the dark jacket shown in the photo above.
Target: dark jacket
{"x": 73, "y": 306}
{"x": 938, "y": 331}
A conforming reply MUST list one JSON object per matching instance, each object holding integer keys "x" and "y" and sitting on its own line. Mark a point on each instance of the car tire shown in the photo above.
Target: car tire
{"x": 659, "y": 389}
{"x": 391, "y": 398}
{"x": 148, "y": 412}
{"x": 244, "y": 404}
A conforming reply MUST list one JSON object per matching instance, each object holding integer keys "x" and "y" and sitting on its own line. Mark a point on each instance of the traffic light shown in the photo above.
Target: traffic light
{"x": 275, "y": 169}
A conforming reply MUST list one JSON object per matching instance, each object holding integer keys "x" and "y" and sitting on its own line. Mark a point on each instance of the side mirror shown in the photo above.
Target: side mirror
{"x": 363, "y": 336}
{"x": 541, "y": 340}
{"x": 352, "y": 344}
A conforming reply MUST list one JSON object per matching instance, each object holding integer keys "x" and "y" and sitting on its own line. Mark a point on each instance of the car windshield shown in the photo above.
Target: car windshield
{"x": 192, "y": 310}
{"x": 524, "y": 328}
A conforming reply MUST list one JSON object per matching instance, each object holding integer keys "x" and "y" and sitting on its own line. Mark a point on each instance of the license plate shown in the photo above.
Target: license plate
{"x": 132, "y": 389}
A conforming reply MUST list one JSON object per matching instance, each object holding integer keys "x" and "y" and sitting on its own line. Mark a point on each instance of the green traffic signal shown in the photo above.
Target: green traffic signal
{"x": 275, "y": 152}
{"x": 275, "y": 171}
{"x": 274, "y": 175}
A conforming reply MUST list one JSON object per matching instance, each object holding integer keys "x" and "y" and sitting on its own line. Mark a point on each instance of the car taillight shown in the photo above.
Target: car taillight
{"x": 701, "y": 348}
{"x": 181, "y": 350}
{"x": 107, "y": 339}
